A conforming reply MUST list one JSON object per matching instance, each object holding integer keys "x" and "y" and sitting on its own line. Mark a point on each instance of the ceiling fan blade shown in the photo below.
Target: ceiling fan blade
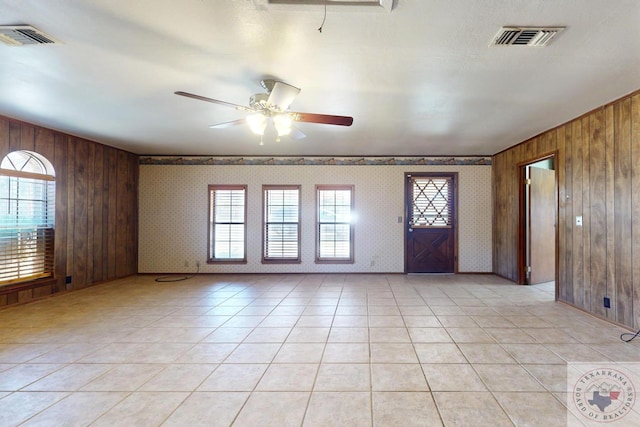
{"x": 282, "y": 95}
{"x": 214, "y": 101}
{"x": 228, "y": 124}
{"x": 296, "y": 133}
{"x": 322, "y": 118}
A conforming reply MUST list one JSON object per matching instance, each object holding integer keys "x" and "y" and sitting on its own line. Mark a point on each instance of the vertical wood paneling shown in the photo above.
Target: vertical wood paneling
{"x": 132, "y": 216}
{"x": 106, "y": 210}
{"x": 42, "y": 291}
{"x": 15, "y": 138}
{"x": 45, "y": 144}
{"x": 598, "y": 167}
{"x": 71, "y": 194}
{"x": 513, "y": 218}
{"x": 62, "y": 209}
{"x": 546, "y": 143}
{"x": 80, "y": 221}
{"x": 89, "y": 202}
{"x": 112, "y": 218}
{"x": 12, "y": 298}
{"x": 504, "y": 214}
{"x": 4, "y": 135}
{"x": 586, "y": 212}
{"x": 562, "y": 211}
{"x": 91, "y": 157}
{"x": 511, "y": 201}
{"x": 121, "y": 218}
{"x": 578, "y": 247}
{"x": 26, "y": 295}
{"x": 496, "y": 239}
{"x": 27, "y": 138}
{"x": 530, "y": 151}
{"x": 610, "y": 290}
{"x": 597, "y": 213}
{"x": 98, "y": 209}
{"x": 622, "y": 141}
{"x": 635, "y": 197}
{"x": 569, "y": 219}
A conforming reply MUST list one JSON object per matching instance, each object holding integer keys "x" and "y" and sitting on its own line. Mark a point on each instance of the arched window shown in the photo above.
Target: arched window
{"x": 27, "y": 216}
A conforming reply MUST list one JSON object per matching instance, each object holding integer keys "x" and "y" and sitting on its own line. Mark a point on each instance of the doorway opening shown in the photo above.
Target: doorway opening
{"x": 538, "y": 234}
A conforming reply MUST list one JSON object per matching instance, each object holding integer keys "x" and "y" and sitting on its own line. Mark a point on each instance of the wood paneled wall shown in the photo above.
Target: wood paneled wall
{"x": 96, "y": 209}
{"x": 598, "y": 172}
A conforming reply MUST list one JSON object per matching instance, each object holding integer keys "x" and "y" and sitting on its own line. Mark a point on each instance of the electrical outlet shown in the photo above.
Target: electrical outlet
{"x": 607, "y": 302}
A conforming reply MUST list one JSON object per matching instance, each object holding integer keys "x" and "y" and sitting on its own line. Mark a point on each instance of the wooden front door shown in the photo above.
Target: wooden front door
{"x": 430, "y": 227}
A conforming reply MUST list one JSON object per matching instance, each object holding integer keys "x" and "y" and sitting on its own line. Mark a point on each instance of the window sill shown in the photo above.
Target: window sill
{"x": 224, "y": 261}
{"x": 335, "y": 261}
{"x": 281, "y": 261}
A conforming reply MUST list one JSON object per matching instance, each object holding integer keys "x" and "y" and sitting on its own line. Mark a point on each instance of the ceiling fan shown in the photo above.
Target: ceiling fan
{"x": 273, "y": 105}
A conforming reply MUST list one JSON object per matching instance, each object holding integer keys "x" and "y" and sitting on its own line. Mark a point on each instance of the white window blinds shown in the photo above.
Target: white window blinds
{"x": 281, "y": 234}
{"x": 227, "y": 223}
{"x": 335, "y": 240}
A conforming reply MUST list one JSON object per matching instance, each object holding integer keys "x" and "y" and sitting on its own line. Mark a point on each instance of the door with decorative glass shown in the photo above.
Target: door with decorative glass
{"x": 430, "y": 232}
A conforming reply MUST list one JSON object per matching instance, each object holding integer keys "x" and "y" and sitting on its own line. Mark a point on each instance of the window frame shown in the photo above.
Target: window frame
{"x": 43, "y": 264}
{"x": 336, "y": 260}
{"x": 265, "y": 223}
{"x": 211, "y": 258}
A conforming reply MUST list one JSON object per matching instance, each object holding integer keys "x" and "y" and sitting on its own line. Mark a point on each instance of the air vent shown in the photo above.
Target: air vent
{"x": 20, "y": 35}
{"x": 387, "y": 4}
{"x": 526, "y": 36}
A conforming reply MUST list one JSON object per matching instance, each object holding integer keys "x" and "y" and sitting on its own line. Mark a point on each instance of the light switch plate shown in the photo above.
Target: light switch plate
{"x": 579, "y": 221}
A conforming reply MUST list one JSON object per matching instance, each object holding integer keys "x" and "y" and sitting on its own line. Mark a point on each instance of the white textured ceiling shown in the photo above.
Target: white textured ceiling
{"x": 419, "y": 80}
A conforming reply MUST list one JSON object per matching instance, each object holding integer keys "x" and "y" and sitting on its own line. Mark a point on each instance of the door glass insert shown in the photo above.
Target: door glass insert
{"x": 431, "y": 204}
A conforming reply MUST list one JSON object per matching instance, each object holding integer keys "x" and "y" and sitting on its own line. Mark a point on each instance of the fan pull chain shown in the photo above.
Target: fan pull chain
{"x": 325, "y": 16}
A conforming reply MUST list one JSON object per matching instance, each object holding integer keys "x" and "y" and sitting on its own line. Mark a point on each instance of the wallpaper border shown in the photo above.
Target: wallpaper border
{"x": 322, "y": 161}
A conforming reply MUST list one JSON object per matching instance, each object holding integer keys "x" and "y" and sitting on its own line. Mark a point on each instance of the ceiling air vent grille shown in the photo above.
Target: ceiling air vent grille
{"x": 20, "y": 35}
{"x": 526, "y": 36}
{"x": 387, "y": 4}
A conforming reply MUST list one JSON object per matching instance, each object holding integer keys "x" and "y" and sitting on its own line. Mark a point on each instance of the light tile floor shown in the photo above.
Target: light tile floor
{"x": 293, "y": 350}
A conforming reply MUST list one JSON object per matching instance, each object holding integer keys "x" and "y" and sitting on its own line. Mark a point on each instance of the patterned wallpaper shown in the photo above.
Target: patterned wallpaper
{"x": 173, "y": 214}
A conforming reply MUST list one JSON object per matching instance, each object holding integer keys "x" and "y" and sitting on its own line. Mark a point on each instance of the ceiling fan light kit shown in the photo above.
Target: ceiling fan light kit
{"x": 273, "y": 105}
{"x": 283, "y": 124}
{"x": 257, "y": 123}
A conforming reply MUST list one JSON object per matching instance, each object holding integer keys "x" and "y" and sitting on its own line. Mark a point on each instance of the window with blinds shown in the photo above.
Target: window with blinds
{"x": 431, "y": 204}
{"x": 334, "y": 229}
{"x": 281, "y": 231}
{"x": 227, "y": 223}
{"x": 27, "y": 217}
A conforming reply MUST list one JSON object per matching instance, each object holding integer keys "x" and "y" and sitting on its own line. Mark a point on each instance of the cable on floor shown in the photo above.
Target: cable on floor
{"x": 168, "y": 279}
{"x": 626, "y": 334}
